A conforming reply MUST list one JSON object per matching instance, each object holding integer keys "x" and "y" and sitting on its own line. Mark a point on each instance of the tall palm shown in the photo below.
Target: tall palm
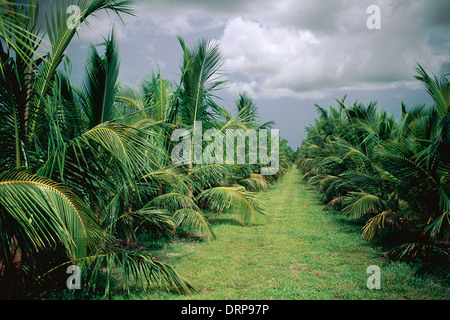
{"x": 25, "y": 80}
{"x": 127, "y": 151}
{"x": 201, "y": 77}
{"x": 56, "y": 139}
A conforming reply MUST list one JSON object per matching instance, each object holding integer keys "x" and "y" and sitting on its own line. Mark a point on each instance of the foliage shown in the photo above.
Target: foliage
{"x": 86, "y": 171}
{"x": 393, "y": 173}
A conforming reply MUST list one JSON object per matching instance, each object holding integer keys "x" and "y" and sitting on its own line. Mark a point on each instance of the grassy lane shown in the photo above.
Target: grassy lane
{"x": 300, "y": 252}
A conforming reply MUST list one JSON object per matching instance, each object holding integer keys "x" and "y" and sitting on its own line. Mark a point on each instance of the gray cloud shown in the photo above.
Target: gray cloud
{"x": 297, "y": 52}
{"x": 329, "y": 47}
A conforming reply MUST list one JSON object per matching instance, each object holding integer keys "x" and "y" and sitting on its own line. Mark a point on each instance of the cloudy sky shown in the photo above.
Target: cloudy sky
{"x": 287, "y": 55}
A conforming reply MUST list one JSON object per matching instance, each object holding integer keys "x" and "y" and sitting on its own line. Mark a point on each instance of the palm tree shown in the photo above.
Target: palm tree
{"x": 154, "y": 194}
{"x": 419, "y": 166}
{"x": 54, "y": 139}
{"x": 132, "y": 146}
{"x": 87, "y": 170}
{"x": 391, "y": 173}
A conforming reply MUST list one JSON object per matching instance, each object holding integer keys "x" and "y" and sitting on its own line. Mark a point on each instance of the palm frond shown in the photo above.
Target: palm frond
{"x": 201, "y": 78}
{"x": 207, "y": 176}
{"x": 171, "y": 177}
{"x": 191, "y": 221}
{"x": 254, "y": 183}
{"x": 156, "y": 222}
{"x": 361, "y": 203}
{"x": 133, "y": 267}
{"x": 438, "y": 88}
{"x": 123, "y": 143}
{"x": 439, "y": 225}
{"x": 236, "y": 200}
{"x": 99, "y": 90}
{"x": 172, "y": 202}
{"x": 375, "y": 224}
{"x": 46, "y": 212}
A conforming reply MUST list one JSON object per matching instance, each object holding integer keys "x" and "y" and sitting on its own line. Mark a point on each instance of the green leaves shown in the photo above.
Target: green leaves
{"x": 136, "y": 267}
{"x": 97, "y": 168}
{"x": 375, "y": 224}
{"x": 200, "y": 78}
{"x": 360, "y": 203}
{"x": 99, "y": 91}
{"x": 121, "y": 142}
{"x": 238, "y": 201}
{"x": 377, "y": 168}
{"x": 192, "y": 221}
{"x": 438, "y": 89}
{"x": 44, "y": 212}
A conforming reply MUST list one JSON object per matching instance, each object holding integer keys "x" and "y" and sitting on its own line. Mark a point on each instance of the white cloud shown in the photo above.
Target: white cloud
{"x": 285, "y": 60}
{"x": 151, "y": 18}
{"x": 250, "y": 88}
{"x": 290, "y": 48}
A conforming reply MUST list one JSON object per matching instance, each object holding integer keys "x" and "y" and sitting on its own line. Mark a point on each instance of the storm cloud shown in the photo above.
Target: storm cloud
{"x": 301, "y": 52}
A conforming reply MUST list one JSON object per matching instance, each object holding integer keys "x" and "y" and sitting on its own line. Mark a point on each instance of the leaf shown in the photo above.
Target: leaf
{"x": 46, "y": 212}
{"x": 121, "y": 142}
{"x": 172, "y": 202}
{"x": 99, "y": 90}
{"x": 200, "y": 79}
{"x": 361, "y": 203}
{"x": 439, "y": 90}
{"x": 203, "y": 177}
{"x": 374, "y": 224}
{"x": 193, "y": 221}
{"x": 255, "y": 183}
{"x": 245, "y": 205}
{"x": 137, "y": 266}
{"x": 438, "y": 225}
{"x": 155, "y": 221}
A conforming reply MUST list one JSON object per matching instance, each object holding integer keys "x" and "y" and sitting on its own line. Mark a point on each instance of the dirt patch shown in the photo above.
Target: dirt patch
{"x": 173, "y": 254}
{"x": 298, "y": 267}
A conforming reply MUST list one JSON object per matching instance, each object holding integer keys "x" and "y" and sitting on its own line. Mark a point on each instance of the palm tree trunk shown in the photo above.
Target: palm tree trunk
{"x": 396, "y": 205}
{"x": 27, "y": 102}
{"x": 16, "y": 275}
{"x": 129, "y": 230}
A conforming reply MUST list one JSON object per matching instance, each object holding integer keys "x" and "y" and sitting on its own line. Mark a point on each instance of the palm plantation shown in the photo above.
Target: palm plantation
{"x": 88, "y": 169}
{"x": 86, "y": 172}
{"x": 392, "y": 173}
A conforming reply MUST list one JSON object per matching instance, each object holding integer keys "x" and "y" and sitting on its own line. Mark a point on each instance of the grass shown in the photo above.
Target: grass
{"x": 299, "y": 252}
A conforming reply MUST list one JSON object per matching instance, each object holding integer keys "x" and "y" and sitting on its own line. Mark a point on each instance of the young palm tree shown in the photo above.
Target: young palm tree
{"x": 86, "y": 170}
{"x": 156, "y": 195}
{"x": 50, "y": 138}
{"x": 393, "y": 173}
{"x": 419, "y": 166}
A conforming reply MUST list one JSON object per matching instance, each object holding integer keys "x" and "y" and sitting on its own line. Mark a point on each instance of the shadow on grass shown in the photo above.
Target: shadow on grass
{"x": 218, "y": 220}
{"x": 344, "y": 223}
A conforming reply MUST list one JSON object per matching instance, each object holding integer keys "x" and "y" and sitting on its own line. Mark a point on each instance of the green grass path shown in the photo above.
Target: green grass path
{"x": 299, "y": 252}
